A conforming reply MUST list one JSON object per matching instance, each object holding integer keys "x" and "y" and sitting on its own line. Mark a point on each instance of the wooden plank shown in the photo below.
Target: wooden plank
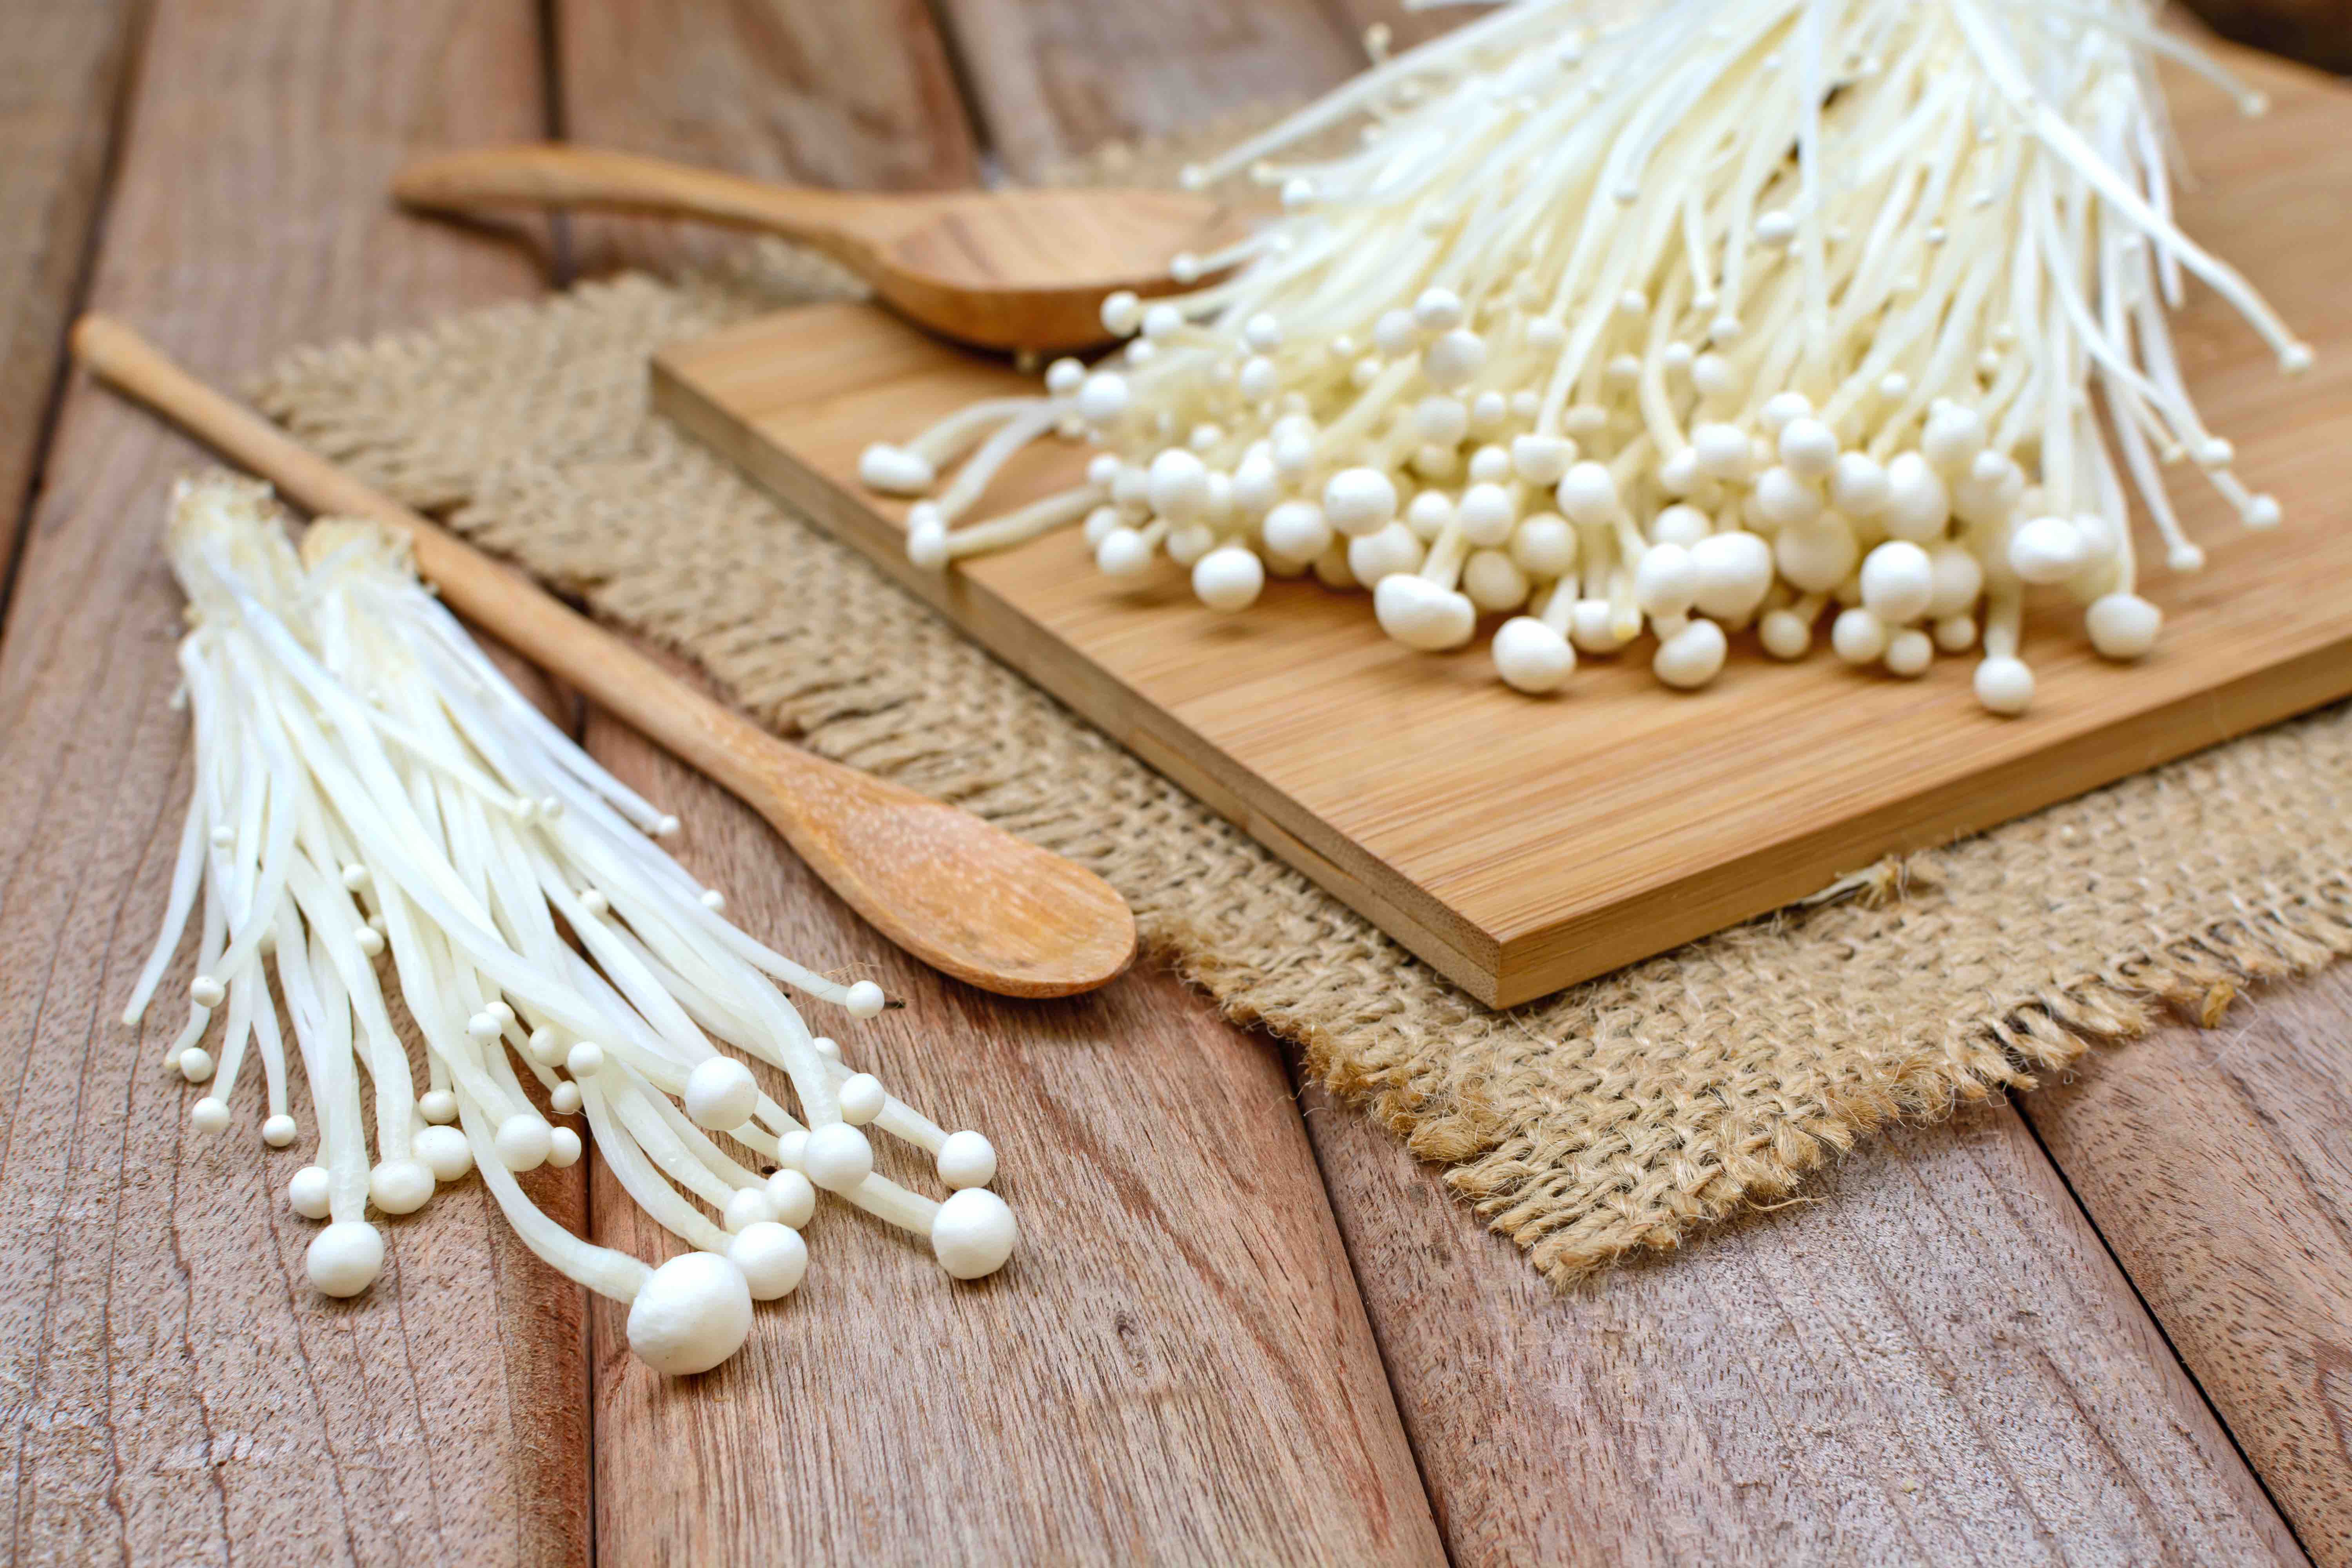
{"x": 60, "y": 85}
{"x": 1055, "y": 80}
{"x": 1410, "y": 785}
{"x": 2215, "y": 1164}
{"x": 1174, "y": 1367}
{"x": 1052, "y": 79}
{"x": 1935, "y": 1363}
{"x": 171, "y": 1388}
{"x": 860, "y": 95}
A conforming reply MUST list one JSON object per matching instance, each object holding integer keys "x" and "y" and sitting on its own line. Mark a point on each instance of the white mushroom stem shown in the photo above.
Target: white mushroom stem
{"x": 367, "y": 787}
{"x": 938, "y": 544}
{"x": 1843, "y": 270}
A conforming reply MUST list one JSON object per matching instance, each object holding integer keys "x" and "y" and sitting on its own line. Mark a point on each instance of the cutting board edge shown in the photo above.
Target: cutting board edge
{"x": 1500, "y": 967}
{"x": 1777, "y": 876}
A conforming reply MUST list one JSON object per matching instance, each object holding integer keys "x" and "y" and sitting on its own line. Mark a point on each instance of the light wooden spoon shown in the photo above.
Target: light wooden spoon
{"x": 1001, "y": 270}
{"x": 964, "y": 896}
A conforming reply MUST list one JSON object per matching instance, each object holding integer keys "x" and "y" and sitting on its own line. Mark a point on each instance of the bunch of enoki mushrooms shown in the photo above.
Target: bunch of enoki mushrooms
{"x": 1658, "y": 324}
{"x": 378, "y": 813}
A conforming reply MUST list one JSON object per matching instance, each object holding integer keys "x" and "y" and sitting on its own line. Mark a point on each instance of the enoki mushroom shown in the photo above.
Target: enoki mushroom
{"x": 1686, "y": 318}
{"x": 377, "y": 810}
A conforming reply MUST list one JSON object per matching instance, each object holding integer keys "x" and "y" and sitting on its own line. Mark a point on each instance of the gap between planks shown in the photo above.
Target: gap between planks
{"x": 64, "y": 97}
{"x": 2214, "y": 1163}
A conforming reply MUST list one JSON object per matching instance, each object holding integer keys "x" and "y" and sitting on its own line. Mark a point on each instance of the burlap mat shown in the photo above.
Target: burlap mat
{"x": 1621, "y": 1115}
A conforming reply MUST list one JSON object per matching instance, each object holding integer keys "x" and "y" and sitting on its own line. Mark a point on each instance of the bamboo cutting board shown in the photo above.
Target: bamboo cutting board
{"x": 1520, "y": 844}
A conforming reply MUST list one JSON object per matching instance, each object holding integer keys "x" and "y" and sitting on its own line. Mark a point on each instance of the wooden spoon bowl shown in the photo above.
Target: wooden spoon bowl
{"x": 997, "y": 270}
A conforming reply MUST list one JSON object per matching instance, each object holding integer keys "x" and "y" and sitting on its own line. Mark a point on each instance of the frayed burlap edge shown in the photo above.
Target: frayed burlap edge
{"x": 1621, "y": 1116}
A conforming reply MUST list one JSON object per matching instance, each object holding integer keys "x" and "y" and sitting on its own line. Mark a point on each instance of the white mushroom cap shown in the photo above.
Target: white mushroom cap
{"x": 690, "y": 1314}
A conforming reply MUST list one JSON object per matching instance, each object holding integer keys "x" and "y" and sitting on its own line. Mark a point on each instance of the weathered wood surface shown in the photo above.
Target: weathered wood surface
{"x": 1927, "y": 1359}
{"x": 2216, "y": 1164}
{"x": 859, "y": 95}
{"x": 1051, "y": 79}
{"x": 60, "y": 79}
{"x": 171, "y": 1390}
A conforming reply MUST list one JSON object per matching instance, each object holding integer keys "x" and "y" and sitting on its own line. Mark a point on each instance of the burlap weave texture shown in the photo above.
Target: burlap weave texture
{"x": 1619, "y": 1116}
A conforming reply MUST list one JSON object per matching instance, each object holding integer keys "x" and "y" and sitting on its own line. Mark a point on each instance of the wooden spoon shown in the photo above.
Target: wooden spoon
{"x": 964, "y": 896}
{"x": 1000, "y": 270}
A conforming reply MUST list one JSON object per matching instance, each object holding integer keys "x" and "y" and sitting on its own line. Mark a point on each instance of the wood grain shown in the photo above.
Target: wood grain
{"x": 1412, "y": 785}
{"x": 171, "y": 1389}
{"x": 1054, "y": 79}
{"x": 1933, "y": 1362}
{"x": 861, "y": 95}
{"x": 2216, "y": 1166}
{"x": 61, "y": 82}
{"x": 1175, "y": 1367}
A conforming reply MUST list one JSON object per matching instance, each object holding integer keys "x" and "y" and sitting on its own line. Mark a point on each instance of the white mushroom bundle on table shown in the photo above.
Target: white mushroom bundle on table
{"x": 1682, "y": 319}
{"x": 378, "y": 815}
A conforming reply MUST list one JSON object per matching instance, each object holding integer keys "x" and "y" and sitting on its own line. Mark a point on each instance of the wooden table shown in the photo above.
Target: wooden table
{"x": 2112, "y": 1323}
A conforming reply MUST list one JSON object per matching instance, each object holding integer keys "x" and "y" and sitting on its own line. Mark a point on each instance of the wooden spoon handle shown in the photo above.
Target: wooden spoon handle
{"x": 1060, "y": 930}
{"x": 558, "y": 175}
{"x": 553, "y": 636}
